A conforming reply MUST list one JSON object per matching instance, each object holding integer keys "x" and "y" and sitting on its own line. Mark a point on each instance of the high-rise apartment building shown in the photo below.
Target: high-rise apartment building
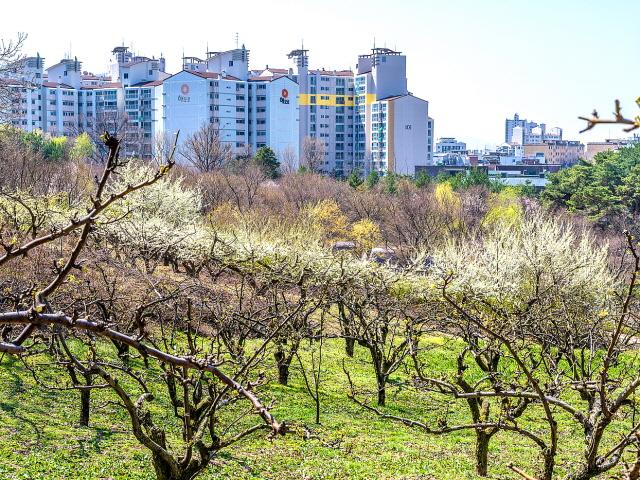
{"x": 368, "y": 120}
{"x": 326, "y": 104}
{"x": 250, "y": 109}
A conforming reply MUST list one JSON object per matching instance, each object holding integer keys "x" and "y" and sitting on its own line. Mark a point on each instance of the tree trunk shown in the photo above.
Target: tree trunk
{"x": 549, "y": 465}
{"x": 163, "y": 469}
{"x": 382, "y": 391}
{"x": 482, "y": 452}
{"x": 85, "y": 405}
{"x": 283, "y": 367}
{"x": 283, "y": 374}
{"x": 349, "y": 346}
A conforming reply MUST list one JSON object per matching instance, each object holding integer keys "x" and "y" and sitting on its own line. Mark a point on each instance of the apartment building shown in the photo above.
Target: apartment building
{"x": 251, "y": 109}
{"x": 366, "y": 120}
{"x": 326, "y": 105}
{"x": 391, "y": 126}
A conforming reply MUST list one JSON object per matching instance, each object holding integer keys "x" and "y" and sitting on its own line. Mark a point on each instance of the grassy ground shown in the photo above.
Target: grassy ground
{"x": 40, "y": 439}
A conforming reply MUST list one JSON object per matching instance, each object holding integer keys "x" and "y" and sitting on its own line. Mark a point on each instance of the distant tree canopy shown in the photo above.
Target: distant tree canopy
{"x": 474, "y": 177}
{"x": 607, "y": 188}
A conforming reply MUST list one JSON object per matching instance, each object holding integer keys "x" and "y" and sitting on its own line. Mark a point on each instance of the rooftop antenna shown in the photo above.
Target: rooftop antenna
{"x": 237, "y": 37}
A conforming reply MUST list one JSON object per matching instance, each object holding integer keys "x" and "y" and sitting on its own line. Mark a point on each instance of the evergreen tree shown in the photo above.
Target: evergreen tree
{"x": 422, "y": 179}
{"x": 267, "y": 160}
{"x": 372, "y": 179}
{"x": 354, "y": 179}
{"x": 390, "y": 183}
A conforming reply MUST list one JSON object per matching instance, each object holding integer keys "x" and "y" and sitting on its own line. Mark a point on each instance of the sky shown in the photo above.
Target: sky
{"x": 477, "y": 62}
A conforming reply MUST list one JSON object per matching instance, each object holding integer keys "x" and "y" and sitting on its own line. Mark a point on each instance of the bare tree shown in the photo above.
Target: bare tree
{"x": 11, "y": 65}
{"x": 288, "y": 161}
{"x": 381, "y": 323}
{"x": 313, "y": 154}
{"x": 205, "y": 150}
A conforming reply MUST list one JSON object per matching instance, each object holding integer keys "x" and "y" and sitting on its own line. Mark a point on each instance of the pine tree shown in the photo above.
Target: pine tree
{"x": 267, "y": 160}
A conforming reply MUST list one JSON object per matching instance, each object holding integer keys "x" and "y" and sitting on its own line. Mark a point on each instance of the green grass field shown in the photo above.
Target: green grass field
{"x": 40, "y": 439}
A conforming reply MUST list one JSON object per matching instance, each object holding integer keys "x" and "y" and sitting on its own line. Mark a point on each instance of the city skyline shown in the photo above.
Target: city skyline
{"x": 477, "y": 65}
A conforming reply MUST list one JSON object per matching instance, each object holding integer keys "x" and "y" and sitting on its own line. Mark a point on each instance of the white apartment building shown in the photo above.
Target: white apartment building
{"x": 326, "y": 104}
{"x": 250, "y": 109}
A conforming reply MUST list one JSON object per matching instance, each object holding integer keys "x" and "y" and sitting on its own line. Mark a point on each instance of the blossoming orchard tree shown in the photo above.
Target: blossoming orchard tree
{"x": 78, "y": 318}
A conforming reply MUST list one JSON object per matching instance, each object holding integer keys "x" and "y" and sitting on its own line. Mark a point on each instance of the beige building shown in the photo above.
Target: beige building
{"x": 556, "y": 152}
{"x": 607, "y": 146}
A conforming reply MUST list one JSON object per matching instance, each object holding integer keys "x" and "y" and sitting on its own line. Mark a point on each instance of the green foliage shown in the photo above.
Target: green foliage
{"x": 372, "y": 179}
{"x": 354, "y": 179}
{"x": 266, "y": 159}
{"x": 605, "y": 188}
{"x": 472, "y": 178}
{"x": 525, "y": 190}
{"x": 56, "y": 148}
{"x": 52, "y": 148}
{"x": 83, "y": 147}
{"x": 422, "y": 179}
{"x": 505, "y": 208}
{"x": 34, "y": 140}
{"x": 390, "y": 183}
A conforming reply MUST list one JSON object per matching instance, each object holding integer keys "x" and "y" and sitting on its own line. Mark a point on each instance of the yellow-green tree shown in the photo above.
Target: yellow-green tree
{"x": 365, "y": 233}
{"x": 83, "y": 147}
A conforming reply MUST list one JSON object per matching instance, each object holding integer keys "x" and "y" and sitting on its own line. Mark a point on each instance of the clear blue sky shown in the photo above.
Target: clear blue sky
{"x": 476, "y": 61}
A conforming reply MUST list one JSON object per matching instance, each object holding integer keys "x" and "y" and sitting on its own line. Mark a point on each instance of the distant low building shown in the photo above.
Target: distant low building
{"x": 450, "y": 145}
{"x": 563, "y": 152}
{"x": 609, "y": 145}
